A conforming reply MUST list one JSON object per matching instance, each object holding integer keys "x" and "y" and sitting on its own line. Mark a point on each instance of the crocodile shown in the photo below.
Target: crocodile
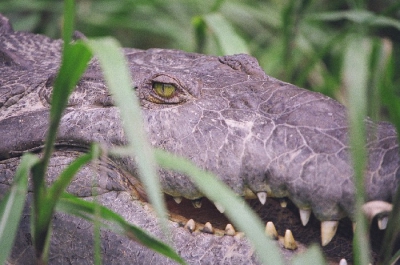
{"x": 260, "y": 136}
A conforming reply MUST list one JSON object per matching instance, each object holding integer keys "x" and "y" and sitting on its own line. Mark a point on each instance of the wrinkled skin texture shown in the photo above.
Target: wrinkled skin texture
{"x": 226, "y": 115}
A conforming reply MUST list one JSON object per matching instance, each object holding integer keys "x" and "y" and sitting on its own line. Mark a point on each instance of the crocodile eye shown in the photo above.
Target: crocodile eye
{"x": 164, "y": 90}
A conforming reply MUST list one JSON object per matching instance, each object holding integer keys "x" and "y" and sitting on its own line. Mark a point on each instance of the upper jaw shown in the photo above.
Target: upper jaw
{"x": 297, "y": 149}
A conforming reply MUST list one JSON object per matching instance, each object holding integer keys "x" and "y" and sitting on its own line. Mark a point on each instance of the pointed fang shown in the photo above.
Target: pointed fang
{"x": 262, "y": 196}
{"x": 270, "y": 230}
{"x": 208, "y": 228}
{"x": 305, "y": 216}
{"x": 382, "y": 222}
{"x": 328, "y": 231}
{"x": 229, "y": 230}
{"x": 283, "y": 203}
{"x": 190, "y": 225}
{"x": 197, "y": 203}
{"x": 178, "y": 199}
{"x": 343, "y": 262}
{"x": 289, "y": 242}
{"x": 219, "y": 207}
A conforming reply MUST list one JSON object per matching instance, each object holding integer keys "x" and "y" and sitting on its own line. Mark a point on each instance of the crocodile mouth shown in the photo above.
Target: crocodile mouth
{"x": 207, "y": 218}
{"x": 204, "y": 217}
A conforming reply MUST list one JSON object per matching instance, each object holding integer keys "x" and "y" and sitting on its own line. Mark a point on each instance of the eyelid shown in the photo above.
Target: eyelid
{"x": 166, "y": 79}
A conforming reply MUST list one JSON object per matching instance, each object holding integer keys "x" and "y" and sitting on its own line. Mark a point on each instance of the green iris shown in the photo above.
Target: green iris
{"x": 164, "y": 90}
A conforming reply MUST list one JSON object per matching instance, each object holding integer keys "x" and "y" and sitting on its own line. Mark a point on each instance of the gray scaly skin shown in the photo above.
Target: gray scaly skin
{"x": 226, "y": 115}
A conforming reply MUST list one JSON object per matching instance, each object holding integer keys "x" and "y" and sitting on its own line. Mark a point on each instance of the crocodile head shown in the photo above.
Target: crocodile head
{"x": 260, "y": 136}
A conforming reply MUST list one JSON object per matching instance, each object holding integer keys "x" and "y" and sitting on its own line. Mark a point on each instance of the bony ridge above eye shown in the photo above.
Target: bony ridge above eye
{"x": 164, "y": 90}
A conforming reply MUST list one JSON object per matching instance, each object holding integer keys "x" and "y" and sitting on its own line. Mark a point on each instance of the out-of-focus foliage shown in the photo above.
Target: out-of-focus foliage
{"x": 299, "y": 41}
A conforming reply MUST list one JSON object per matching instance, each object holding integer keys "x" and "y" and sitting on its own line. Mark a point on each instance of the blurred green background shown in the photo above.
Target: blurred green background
{"x": 303, "y": 42}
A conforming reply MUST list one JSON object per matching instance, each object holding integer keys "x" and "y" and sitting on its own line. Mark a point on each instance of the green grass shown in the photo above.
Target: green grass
{"x": 340, "y": 48}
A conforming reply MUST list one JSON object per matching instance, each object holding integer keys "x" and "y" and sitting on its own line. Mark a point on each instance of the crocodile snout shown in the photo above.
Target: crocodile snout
{"x": 263, "y": 137}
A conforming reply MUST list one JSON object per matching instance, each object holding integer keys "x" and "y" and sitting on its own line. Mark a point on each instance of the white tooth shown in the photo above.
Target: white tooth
{"x": 229, "y": 230}
{"x": 305, "y": 216}
{"x": 197, "y": 203}
{"x": 219, "y": 207}
{"x": 382, "y": 222}
{"x": 283, "y": 203}
{"x": 328, "y": 231}
{"x": 270, "y": 230}
{"x": 288, "y": 241}
{"x": 190, "y": 225}
{"x": 178, "y": 199}
{"x": 208, "y": 228}
{"x": 343, "y": 262}
{"x": 262, "y": 196}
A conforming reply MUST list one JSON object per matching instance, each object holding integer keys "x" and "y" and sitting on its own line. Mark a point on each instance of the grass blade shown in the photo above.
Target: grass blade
{"x": 119, "y": 83}
{"x": 391, "y": 101}
{"x": 87, "y": 210}
{"x": 355, "y": 76}
{"x": 235, "y": 208}
{"x": 229, "y": 41}
{"x": 391, "y": 235}
{"x": 12, "y": 204}
{"x": 74, "y": 63}
{"x": 200, "y": 29}
{"x": 68, "y": 28}
{"x": 394, "y": 259}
